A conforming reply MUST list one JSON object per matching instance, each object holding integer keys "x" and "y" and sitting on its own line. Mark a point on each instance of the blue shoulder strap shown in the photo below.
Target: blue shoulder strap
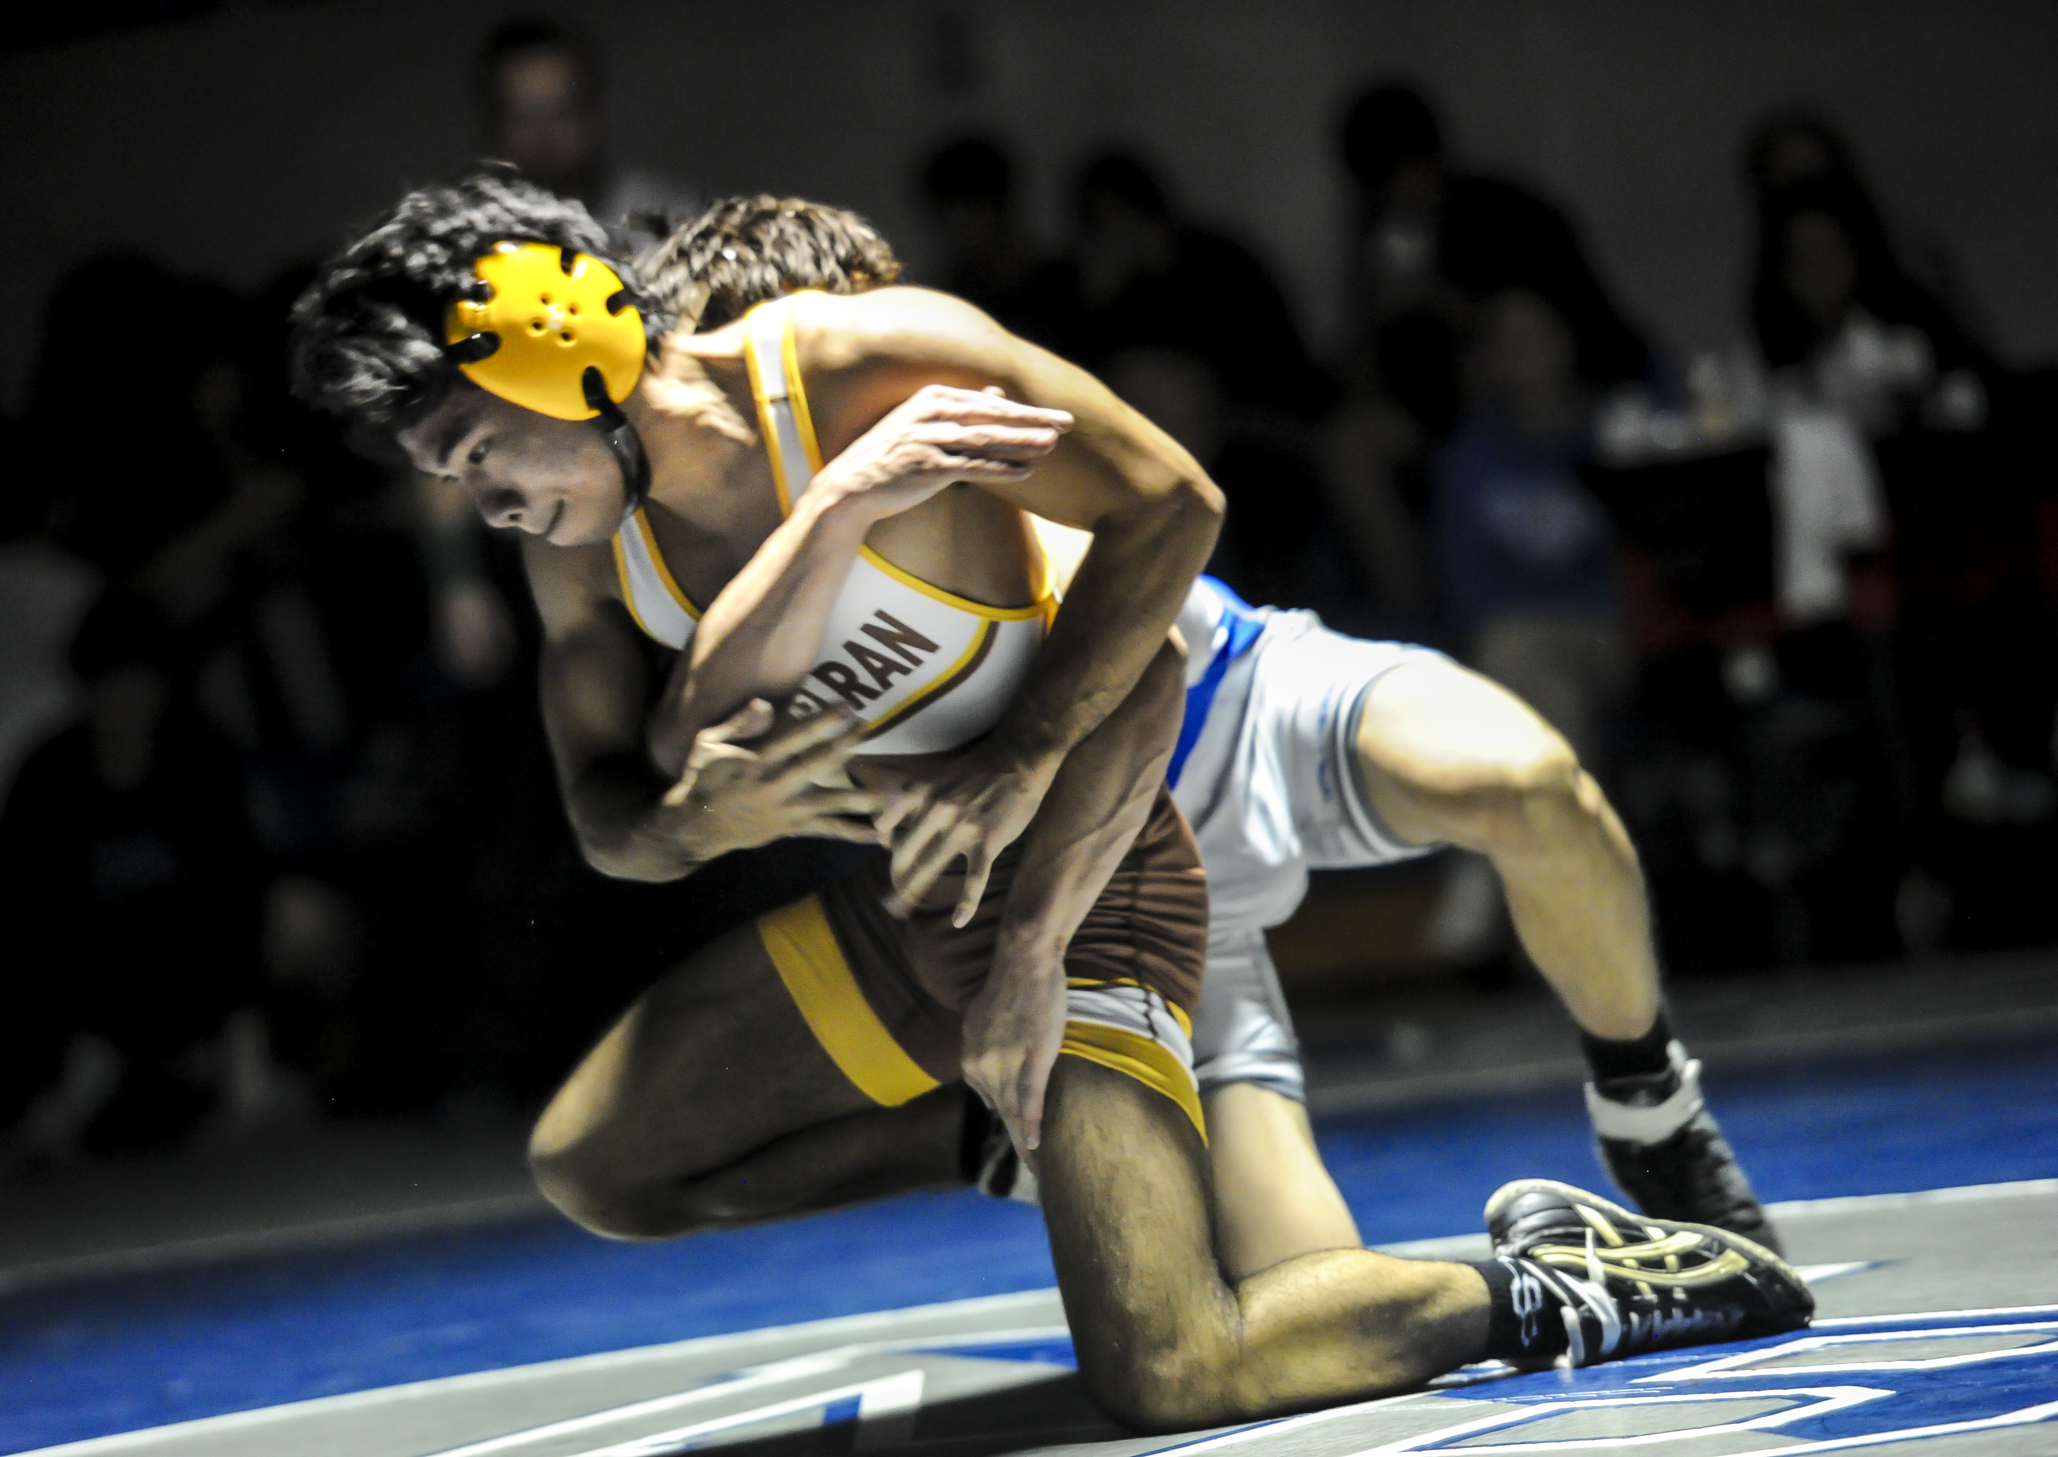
{"x": 1242, "y": 623}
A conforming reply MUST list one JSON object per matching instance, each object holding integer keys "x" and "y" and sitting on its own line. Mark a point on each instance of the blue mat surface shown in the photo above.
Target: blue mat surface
{"x": 108, "y": 1356}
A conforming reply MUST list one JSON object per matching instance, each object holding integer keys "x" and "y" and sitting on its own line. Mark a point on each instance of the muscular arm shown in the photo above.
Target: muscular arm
{"x": 763, "y": 631}
{"x": 632, "y": 821}
{"x": 1153, "y": 512}
{"x": 1097, "y": 803}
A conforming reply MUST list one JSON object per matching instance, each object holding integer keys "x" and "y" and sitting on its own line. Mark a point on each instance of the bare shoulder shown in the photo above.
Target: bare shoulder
{"x": 899, "y": 324}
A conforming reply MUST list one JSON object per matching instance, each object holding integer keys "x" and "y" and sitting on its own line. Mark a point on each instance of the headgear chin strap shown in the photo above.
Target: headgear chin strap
{"x": 622, "y": 439}
{"x": 553, "y": 330}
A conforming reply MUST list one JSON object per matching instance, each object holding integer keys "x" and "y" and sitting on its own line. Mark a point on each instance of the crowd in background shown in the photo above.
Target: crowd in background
{"x": 280, "y": 831}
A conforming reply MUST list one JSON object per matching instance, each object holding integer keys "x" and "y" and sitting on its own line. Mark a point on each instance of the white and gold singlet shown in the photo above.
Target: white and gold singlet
{"x": 924, "y": 669}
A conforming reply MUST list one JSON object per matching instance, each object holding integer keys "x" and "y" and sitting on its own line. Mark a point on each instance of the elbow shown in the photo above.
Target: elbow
{"x": 1199, "y": 507}
{"x": 614, "y": 850}
{"x": 1179, "y": 521}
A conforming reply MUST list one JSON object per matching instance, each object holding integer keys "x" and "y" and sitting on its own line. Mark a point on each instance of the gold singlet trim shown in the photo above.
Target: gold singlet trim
{"x": 804, "y": 949}
{"x": 977, "y": 648}
{"x": 628, "y": 587}
{"x": 1132, "y": 1054}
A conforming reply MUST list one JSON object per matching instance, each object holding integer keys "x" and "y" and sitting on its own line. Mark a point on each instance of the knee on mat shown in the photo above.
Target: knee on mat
{"x": 595, "y": 1193}
{"x": 1166, "y": 1390}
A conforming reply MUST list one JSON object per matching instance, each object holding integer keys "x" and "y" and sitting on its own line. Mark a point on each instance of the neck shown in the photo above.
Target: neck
{"x": 697, "y": 424}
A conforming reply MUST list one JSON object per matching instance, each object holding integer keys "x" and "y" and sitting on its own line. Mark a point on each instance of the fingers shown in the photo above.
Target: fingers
{"x": 847, "y": 802}
{"x": 921, "y": 854}
{"x": 978, "y": 866}
{"x": 1015, "y": 1094}
{"x": 707, "y": 750}
{"x": 986, "y": 441}
{"x": 746, "y": 722}
{"x": 818, "y": 736}
{"x": 1033, "y": 1079}
{"x": 909, "y": 801}
{"x": 947, "y": 402}
{"x": 677, "y": 794}
{"x": 833, "y": 827}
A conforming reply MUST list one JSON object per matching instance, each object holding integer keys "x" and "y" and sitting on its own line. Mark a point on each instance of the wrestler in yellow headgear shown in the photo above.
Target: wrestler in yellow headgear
{"x": 555, "y": 333}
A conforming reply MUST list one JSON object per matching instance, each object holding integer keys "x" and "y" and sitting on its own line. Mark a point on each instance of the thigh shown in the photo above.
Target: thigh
{"x": 1274, "y": 1200}
{"x": 1122, "y": 1174}
{"x": 710, "y": 1064}
{"x": 1307, "y": 702}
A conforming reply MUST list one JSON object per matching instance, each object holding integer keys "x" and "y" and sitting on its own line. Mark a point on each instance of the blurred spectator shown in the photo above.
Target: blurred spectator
{"x": 1527, "y": 551}
{"x": 1883, "y": 402}
{"x": 1433, "y": 240}
{"x": 1151, "y": 280}
{"x": 1827, "y": 292}
{"x": 1799, "y": 145}
{"x": 543, "y": 91}
{"x": 133, "y": 888}
{"x": 1430, "y": 243}
{"x": 43, "y": 593}
{"x": 969, "y": 187}
{"x": 1188, "y": 326}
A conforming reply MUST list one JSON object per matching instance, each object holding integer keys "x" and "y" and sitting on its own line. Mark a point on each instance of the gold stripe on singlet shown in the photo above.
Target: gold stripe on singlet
{"x": 804, "y": 949}
{"x": 1134, "y": 1055}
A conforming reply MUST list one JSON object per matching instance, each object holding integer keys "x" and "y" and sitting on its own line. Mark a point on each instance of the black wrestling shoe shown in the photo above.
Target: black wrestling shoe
{"x": 1626, "y": 1285}
{"x": 1663, "y": 1148}
{"x": 988, "y": 1158}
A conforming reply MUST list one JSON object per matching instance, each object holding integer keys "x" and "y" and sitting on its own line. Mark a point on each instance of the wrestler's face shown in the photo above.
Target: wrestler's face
{"x": 551, "y": 478}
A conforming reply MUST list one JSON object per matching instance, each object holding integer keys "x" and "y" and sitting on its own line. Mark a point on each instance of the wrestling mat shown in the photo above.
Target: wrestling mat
{"x": 1937, "y": 1332}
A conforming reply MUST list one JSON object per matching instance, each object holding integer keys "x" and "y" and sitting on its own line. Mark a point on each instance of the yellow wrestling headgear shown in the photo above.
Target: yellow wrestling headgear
{"x": 551, "y": 316}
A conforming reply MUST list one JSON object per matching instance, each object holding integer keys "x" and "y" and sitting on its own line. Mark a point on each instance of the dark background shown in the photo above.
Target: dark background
{"x": 250, "y": 137}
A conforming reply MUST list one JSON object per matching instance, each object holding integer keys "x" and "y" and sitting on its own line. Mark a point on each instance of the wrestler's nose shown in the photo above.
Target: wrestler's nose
{"x": 500, "y": 505}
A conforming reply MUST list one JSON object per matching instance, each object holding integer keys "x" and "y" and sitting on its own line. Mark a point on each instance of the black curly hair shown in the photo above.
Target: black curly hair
{"x": 367, "y": 335}
{"x": 744, "y": 250}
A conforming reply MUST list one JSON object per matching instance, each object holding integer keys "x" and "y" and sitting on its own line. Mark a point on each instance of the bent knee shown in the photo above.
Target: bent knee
{"x": 1527, "y": 800}
{"x": 602, "y": 1194}
{"x": 1170, "y": 1390}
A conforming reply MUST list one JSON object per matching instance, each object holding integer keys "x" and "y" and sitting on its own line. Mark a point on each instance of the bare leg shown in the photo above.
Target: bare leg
{"x": 1449, "y": 756}
{"x": 1163, "y": 1340}
{"x": 710, "y": 1103}
{"x": 1274, "y": 1201}
{"x": 860, "y": 1156}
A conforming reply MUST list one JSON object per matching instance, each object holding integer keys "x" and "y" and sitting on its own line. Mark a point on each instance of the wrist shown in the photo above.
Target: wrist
{"x": 838, "y": 510}
{"x": 683, "y": 835}
{"x": 1032, "y": 754}
{"x": 1030, "y": 938}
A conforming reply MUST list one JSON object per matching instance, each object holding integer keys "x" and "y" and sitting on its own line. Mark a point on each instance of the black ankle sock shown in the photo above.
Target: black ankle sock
{"x": 1638, "y": 1057}
{"x": 1522, "y": 1321}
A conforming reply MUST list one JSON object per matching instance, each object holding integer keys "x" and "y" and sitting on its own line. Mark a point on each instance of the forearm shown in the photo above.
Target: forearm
{"x": 759, "y": 637}
{"x": 1096, "y": 805}
{"x": 1117, "y": 612}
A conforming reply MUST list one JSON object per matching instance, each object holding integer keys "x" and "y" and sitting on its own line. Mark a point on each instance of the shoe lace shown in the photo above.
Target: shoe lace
{"x": 1623, "y": 1332}
{"x": 1589, "y": 1296}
